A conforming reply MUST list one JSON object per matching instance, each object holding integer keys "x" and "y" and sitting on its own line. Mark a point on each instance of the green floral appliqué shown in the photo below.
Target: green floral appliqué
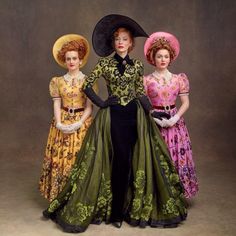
{"x": 78, "y": 173}
{"x": 73, "y": 188}
{"x": 170, "y": 207}
{"x": 136, "y": 205}
{"x": 83, "y": 171}
{"x": 74, "y": 174}
{"x": 90, "y": 150}
{"x": 142, "y": 203}
{"x": 80, "y": 213}
{"x": 104, "y": 198}
{"x": 53, "y": 205}
{"x": 164, "y": 165}
{"x": 174, "y": 179}
{"x": 140, "y": 181}
{"x": 147, "y": 209}
{"x": 83, "y": 211}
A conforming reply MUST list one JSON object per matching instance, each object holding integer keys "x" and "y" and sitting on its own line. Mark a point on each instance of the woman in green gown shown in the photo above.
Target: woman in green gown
{"x": 123, "y": 170}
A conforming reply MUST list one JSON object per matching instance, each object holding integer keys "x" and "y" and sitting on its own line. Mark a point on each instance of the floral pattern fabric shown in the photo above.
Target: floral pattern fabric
{"x": 126, "y": 87}
{"x": 61, "y": 149}
{"x": 163, "y": 93}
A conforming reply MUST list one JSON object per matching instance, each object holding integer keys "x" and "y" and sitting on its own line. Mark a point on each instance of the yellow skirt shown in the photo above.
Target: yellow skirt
{"x": 60, "y": 154}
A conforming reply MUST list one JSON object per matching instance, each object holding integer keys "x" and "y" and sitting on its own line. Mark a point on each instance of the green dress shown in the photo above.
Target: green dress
{"x": 154, "y": 198}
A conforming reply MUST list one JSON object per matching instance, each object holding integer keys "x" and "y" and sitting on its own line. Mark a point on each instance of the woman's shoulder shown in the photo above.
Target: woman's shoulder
{"x": 148, "y": 75}
{"x": 183, "y": 82}
{"x": 105, "y": 60}
{"x": 56, "y": 80}
{"x": 137, "y": 62}
{"x": 139, "y": 66}
{"x": 180, "y": 75}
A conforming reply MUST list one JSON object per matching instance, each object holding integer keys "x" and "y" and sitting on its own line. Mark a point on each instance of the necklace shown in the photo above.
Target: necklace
{"x": 70, "y": 79}
{"x": 166, "y": 76}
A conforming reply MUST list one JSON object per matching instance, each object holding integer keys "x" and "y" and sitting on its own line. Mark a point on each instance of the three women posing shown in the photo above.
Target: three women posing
{"x": 123, "y": 170}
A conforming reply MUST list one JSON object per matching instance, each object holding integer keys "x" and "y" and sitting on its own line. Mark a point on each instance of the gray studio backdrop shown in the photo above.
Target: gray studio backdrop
{"x": 28, "y": 28}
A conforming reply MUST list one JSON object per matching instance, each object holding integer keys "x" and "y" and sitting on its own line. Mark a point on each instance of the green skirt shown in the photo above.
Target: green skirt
{"x": 155, "y": 197}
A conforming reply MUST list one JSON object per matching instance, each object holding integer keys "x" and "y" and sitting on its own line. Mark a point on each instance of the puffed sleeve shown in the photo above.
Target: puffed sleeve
{"x": 139, "y": 87}
{"x": 183, "y": 84}
{"x": 54, "y": 88}
{"x": 95, "y": 74}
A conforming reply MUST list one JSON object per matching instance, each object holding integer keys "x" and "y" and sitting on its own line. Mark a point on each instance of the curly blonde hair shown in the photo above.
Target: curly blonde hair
{"x": 74, "y": 45}
{"x": 161, "y": 43}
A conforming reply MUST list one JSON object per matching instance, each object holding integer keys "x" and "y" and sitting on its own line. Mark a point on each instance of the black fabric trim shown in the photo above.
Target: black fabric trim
{"x": 69, "y": 228}
{"x": 169, "y": 223}
{"x": 122, "y": 62}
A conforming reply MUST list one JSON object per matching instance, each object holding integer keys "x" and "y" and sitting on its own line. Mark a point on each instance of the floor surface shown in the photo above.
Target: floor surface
{"x": 212, "y": 212}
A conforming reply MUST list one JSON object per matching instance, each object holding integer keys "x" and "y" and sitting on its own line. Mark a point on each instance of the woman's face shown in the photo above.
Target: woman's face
{"x": 122, "y": 42}
{"x": 72, "y": 60}
{"x": 162, "y": 59}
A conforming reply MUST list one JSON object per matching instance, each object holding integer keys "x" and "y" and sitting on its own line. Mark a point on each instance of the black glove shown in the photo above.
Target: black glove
{"x": 147, "y": 106}
{"x": 159, "y": 115}
{"x": 112, "y": 100}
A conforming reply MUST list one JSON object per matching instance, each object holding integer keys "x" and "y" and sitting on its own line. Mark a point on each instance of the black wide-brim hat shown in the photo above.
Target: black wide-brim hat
{"x": 105, "y": 28}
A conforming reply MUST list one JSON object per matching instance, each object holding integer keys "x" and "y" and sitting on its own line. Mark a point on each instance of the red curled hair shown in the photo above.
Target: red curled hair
{"x": 156, "y": 46}
{"x": 74, "y": 45}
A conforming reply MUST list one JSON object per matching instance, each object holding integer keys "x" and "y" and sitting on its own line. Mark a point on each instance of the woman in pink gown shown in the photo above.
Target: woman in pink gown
{"x": 163, "y": 88}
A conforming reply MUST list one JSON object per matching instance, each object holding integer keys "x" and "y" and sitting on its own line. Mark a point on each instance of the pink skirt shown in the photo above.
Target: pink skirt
{"x": 178, "y": 142}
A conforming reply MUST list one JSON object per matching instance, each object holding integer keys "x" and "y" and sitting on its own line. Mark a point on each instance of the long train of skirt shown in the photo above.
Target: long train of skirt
{"x": 155, "y": 197}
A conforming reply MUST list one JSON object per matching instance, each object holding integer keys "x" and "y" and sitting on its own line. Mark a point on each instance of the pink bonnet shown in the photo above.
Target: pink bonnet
{"x": 170, "y": 38}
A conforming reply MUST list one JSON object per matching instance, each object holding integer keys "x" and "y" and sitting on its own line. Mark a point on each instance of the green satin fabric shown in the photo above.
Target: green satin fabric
{"x": 154, "y": 198}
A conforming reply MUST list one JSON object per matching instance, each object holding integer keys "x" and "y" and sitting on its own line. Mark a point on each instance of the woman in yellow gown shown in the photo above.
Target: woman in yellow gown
{"x": 72, "y": 114}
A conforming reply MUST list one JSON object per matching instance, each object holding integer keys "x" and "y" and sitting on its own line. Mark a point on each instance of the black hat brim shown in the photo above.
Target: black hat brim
{"x": 105, "y": 28}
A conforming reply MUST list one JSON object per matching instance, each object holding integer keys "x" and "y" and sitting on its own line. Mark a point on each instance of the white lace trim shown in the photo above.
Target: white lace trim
{"x": 78, "y": 77}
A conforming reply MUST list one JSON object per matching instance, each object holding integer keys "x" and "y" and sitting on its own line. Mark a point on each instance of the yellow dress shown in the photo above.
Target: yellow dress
{"x": 62, "y": 148}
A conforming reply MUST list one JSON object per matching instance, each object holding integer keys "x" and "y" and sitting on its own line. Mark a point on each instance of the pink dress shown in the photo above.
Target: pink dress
{"x": 164, "y": 93}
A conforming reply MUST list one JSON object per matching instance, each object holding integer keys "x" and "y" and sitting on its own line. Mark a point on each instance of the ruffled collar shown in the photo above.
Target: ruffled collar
{"x": 78, "y": 77}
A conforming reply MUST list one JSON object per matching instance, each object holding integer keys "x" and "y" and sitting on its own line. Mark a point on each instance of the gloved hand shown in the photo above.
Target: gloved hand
{"x": 173, "y": 120}
{"x": 112, "y": 100}
{"x": 66, "y": 129}
{"x": 75, "y": 126}
{"x": 147, "y": 106}
{"x": 162, "y": 123}
{"x": 159, "y": 115}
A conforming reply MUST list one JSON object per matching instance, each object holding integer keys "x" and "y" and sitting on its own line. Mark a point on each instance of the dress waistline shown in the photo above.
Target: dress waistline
{"x": 72, "y": 110}
{"x": 166, "y": 108}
